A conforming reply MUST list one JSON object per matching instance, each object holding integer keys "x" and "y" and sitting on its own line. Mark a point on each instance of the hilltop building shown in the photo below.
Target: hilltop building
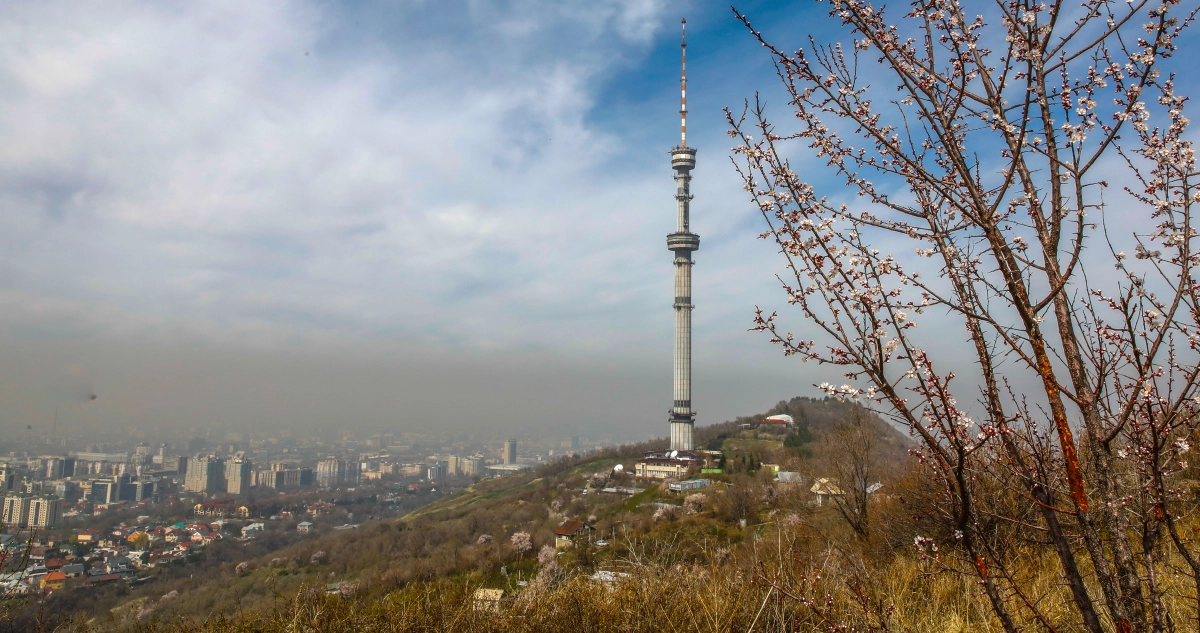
{"x": 782, "y": 420}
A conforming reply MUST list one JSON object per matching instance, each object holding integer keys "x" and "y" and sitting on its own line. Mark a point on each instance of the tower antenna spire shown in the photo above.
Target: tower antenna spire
{"x": 683, "y": 88}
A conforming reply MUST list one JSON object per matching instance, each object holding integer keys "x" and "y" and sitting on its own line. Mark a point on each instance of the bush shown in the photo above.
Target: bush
{"x": 546, "y": 555}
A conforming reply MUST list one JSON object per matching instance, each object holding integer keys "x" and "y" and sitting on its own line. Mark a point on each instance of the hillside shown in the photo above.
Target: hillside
{"x": 467, "y": 537}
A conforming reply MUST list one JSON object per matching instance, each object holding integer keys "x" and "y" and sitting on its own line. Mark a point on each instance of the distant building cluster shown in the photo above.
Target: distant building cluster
{"x": 215, "y": 477}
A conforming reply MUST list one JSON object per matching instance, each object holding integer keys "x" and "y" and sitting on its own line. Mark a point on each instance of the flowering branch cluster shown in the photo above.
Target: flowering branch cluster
{"x": 990, "y": 156}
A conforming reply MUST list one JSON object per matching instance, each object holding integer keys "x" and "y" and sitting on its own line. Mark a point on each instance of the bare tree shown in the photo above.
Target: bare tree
{"x": 848, "y": 452}
{"x": 999, "y": 147}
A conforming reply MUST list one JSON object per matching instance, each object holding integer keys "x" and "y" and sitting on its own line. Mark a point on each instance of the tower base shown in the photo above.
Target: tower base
{"x": 682, "y": 430}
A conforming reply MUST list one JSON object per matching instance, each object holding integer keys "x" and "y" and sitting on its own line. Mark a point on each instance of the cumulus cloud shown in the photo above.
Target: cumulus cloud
{"x": 412, "y": 176}
{"x": 236, "y": 160}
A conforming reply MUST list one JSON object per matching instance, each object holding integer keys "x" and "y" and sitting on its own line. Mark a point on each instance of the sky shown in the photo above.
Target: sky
{"x": 401, "y": 215}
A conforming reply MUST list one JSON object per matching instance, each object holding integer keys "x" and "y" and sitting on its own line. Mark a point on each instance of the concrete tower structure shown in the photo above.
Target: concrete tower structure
{"x": 683, "y": 243}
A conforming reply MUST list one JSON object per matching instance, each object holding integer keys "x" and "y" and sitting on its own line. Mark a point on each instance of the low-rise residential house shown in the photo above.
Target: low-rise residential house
{"x": 567, "y": 532}
{"x": 825, "y": 489}
{"x": 165, "y": 558}
{"x": 219, "y": 508}
{"x": 319, "y": 508}
{"x": 53, "y": 581}
{"x": 74, "y": 570}
{"x": 253, "y": 528}
{"x": 118, "y": 565}
{"x": 304, "y": 527}
{"x": 138, "y": 558}
{"x": 15, "y": 587}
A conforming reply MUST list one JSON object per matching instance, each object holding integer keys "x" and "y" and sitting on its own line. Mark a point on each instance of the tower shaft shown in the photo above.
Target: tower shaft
{"x": 683, "y": 243}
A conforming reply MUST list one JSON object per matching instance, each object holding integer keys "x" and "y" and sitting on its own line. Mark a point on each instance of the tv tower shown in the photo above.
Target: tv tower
{"x": 683, "y": 242}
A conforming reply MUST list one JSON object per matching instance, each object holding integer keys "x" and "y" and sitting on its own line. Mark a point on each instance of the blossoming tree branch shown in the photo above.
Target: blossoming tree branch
{"x": 992, "y": 164}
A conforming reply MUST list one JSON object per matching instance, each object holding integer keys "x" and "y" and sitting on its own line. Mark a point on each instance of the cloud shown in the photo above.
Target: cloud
{"x": 233, "y": 160}
{"x": 403, "y": 182}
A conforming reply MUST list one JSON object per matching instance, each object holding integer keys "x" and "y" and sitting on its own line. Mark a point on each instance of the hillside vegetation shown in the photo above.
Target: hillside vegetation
{"x": 750, "y": 552}
{"x": 421, "y": 570}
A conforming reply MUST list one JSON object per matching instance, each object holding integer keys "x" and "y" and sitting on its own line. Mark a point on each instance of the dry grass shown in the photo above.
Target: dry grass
{"x": 786, "y": 587}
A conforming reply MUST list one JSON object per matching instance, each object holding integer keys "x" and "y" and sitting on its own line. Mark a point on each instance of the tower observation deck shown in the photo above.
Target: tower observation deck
{"x": 683, "y": 243}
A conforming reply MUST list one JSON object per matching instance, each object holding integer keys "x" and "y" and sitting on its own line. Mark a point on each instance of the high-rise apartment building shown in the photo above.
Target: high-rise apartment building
{"x": 330, "y": 472}
{"x": 237, "y": 476}
{"x": 45, "y": 513}
{"x": 283, "y": 475}
{"x": 16, "y": 511}
{"x": 510, "y": 451}
{"x": 205, "y": 474}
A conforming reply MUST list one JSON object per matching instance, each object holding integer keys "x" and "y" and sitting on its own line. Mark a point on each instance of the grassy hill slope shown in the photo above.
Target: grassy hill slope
{"x": 466, "y": 537}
